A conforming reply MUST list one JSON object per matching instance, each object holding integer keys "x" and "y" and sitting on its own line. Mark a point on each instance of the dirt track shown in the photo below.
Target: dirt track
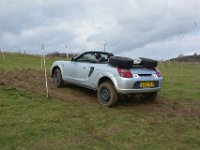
{"x": 33, "y": 81}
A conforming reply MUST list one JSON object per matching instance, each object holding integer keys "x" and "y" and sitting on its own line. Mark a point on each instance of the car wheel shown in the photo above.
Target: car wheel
{"x": 107, "y": 95}
{"x": 57, "y": 78}
{"x": 150, "y": 97}
{"x": 118, "y": 61}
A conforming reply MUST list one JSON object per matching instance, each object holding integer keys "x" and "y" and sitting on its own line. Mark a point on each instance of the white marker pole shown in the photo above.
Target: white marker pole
{"x": 181, "y": 65}
{"x": 45, "y": 70}
{"x": 42, "y": 55}
{"x": 2, "y": 55}
{"x": 67, "y": 53}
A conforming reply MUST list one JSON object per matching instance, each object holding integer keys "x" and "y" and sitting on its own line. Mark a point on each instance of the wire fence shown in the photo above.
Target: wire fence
{"x": 181, "y": 65}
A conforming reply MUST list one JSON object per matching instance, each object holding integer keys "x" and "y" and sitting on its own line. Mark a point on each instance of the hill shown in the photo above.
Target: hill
{"x": 72, "y": 118}
{"x": 188, "y": 58}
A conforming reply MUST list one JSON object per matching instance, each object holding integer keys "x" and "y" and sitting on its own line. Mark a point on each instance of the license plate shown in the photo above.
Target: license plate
{"x": 146, "y": 84}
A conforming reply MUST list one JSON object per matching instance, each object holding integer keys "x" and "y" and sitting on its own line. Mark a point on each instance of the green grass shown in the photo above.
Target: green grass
{"x": 30, "y": 121}
{"x": 181, "y": 82}
{"x": 20, "y": 61}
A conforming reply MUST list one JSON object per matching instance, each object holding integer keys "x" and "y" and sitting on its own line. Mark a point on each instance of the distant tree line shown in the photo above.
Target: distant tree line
{"x": 58, "y": 54}
{"x": 189, "y": 58}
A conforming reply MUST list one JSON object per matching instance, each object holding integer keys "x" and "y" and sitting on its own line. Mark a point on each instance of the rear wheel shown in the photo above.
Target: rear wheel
{"x": 57, "y": 78}
{"x": 150, "y": 97}
{"x": 107, "y": 96}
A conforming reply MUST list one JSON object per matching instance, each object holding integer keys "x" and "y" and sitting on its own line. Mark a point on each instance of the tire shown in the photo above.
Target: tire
{"x": 118, "y": 61}
{"x": 107, "y": 96}
{"x": 150, "y": 97}
{"x": 149, "y": 63}
{"x": 57, "y": 78}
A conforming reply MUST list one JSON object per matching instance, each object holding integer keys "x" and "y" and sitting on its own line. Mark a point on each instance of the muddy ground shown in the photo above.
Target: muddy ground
{"x": 34, "y": 81}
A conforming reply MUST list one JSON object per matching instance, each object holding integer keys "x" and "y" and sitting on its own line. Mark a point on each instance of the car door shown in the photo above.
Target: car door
{"x": 68, "y": 70}
{"x": 79, "y": 70}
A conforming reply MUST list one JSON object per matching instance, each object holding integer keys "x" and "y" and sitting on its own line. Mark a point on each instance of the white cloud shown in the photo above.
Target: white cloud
{"x": 156, "y": 28}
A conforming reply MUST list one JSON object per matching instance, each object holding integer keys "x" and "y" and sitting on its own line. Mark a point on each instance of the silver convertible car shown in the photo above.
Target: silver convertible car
{"x": 111, "y": 76}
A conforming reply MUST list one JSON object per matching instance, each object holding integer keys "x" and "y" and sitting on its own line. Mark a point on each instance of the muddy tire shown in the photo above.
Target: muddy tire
{"x": 123, "y": 62}
{"x": 150, "y": 97}
{"x": 57, "y": 78}
{"x": 107, "y": 96}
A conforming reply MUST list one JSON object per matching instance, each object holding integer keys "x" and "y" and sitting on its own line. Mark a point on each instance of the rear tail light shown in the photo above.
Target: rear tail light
{"x": 125, "y": 73}
{"x": 157, "y": 72}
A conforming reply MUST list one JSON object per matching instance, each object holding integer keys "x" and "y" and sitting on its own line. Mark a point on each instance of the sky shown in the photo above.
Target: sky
{"x": 158, "y": 29}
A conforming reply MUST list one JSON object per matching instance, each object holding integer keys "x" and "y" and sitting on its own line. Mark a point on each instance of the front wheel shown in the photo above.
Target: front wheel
{"x": 107, "y": 96}
{"x": 57, "y": 78}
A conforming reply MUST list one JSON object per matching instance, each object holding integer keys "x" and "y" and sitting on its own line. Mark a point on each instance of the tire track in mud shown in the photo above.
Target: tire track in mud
{"x": 34, "y": 81}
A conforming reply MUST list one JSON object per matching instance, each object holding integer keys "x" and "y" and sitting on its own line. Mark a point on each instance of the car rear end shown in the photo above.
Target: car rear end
{"x": 138, "y": 80}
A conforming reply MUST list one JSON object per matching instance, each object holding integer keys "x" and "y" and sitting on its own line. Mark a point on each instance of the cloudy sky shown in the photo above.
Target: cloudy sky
{"x": 158, "y": 29}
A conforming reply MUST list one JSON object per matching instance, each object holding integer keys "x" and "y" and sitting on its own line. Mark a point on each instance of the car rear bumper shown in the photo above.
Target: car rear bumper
{"x": 132, "y": 91}
{"x": 132, "y": 85}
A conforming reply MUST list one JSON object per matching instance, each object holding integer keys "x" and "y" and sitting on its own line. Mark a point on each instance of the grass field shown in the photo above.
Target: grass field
{"x": 181, "y": 82}
{"x": 72, "y": 118}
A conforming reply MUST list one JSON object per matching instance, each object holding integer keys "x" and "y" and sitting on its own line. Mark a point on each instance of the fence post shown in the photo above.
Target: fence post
{"x": 2, "y": 54}
{"x": 45, "y": 70}
{"x": 181, "y": 65}
{"x": 42, "y": 53}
